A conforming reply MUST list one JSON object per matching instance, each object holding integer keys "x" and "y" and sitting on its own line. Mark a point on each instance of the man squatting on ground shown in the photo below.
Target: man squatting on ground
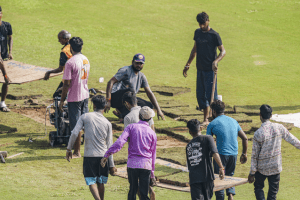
{"x": 198, "y": 154}
{"x": 5, "y": 40}
{"x": 130, "y": 102}
{"x": 98, "y": 138}
{"x": 65, "y": 54}
{"x": 130, "y": 78}
{"x": 226, "y": 129}
{"x": 141, "y": 154}
{"x": 266, "y": 161}
{"x": 75, "y": 80}
{"x": 206, "y": 42}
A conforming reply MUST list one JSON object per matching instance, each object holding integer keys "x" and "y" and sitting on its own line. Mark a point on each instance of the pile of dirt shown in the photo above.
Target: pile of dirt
{"x": 35, "y": 113}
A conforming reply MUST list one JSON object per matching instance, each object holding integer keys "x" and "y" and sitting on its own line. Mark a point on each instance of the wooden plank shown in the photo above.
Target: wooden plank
{"x": 20, "y": 73}
{"x": 15, "y": 155}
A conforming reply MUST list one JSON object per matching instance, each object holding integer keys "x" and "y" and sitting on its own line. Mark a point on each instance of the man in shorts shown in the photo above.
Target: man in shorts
{"x": 65, "y": 54}
{"x": 130, "y": 78}
{"x": 98, "y": 138}
{"x": 5, "y": 40}
{"x": 198, "y": 153}
{"x": 206, "y": 43}
{"x": 75, "y": 80}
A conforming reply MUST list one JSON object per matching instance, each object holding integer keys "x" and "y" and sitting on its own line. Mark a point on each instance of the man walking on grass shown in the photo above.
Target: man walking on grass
{"x": 266, "y": 161}
{"x": 198, "y": 153}
{"x": 98, "y": 138}
{"x": 226, "y": 130}
{"x": 141, "y": 154}
{"x": 206, "y": 43}
{"x": 75, "y": 81}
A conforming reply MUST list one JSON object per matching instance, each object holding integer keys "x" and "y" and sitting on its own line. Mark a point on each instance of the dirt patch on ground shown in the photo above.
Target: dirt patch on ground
{"x": 169, "y": 142}
{"x": 35, "y": 113}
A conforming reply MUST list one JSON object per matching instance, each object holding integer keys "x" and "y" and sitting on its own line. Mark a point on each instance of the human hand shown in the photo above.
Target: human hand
{"x": 160, "y": 114}
{"x": 112, "y": 170}
{"x": 10, "y": 57}
{"x": 251, "y": 178}
{"x": 46, "y": 77}
{"x": 221, "y": 173}
{"x": 152, "y": 182}
{"x": 185, "y": 71}
{"x": 243, "y": 158}
{"x": 103, "y": 162}
{"x": 69, "y": 155}
{"x": 107, "y": 106}
{"x": 215, "y": 67}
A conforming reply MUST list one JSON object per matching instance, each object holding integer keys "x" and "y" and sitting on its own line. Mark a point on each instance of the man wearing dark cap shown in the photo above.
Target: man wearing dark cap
{"x": 5, "y": 40}
{"x": 129, "y": 78}
{"x": 65, "y": 54}
{"x": 205, "y": 47}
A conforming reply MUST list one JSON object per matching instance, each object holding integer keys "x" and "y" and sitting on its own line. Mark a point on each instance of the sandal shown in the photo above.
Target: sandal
{"x": 5, "y": 109}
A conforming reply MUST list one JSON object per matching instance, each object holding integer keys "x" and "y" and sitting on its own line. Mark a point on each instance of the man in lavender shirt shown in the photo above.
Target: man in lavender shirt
{"x": 75, "y": 85}
{"x": 141, "y": 154}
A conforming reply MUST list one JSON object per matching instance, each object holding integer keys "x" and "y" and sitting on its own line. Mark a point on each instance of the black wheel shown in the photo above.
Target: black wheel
{"x": 52, "y": 138}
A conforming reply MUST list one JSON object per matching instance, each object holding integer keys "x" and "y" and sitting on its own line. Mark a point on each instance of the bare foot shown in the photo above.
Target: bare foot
{"x": 76, "y": 155}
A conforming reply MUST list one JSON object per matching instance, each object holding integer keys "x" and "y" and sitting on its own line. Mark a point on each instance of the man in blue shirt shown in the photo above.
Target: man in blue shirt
{"x": 226, "y": 131}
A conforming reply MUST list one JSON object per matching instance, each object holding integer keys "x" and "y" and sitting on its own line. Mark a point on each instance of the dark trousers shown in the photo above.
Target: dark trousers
{"x": 202, "y": 191}
{"x": 204, "y": 88}
{"x": 228, "y": 163}
{"x": 259, "y": 186}
{"x": 138, "y": 179}
{"x": 76, "y": 109}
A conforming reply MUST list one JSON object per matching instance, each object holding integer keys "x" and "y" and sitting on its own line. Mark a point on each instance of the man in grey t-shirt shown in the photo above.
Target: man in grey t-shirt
{"x": 129, "y": 78}
{"x": 98, "y": 138}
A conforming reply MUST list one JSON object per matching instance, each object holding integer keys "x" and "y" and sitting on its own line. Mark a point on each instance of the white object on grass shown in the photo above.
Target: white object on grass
{"x": 101, "y": 80}
{"x": 288, "y": 118}
{"x": 220, "y": 97}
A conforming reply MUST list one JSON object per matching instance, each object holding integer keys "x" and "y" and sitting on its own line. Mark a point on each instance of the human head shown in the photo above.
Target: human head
{"x": 76, "y": 44}
{"x": 99, "y": 102}
{"x": 129, "y": 99}
{"x": 217, "y": 107}
{"x": 194, "y": 127}
{"x": 63, "y": 37}
{"x": 265, "y": 111}
{"x": 146, "y": 113}
{"x": 138, "y": 62}
{"x": 203, "y": 20}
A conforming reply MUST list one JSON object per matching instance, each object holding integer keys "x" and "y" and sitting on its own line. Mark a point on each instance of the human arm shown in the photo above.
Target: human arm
{"x": 219, "y": 162}
{"x": 219, "y": 58}
{"x": 154, "y": 102}
{"x": 256, "y": 148}
{"x": 54, "y": 71}
{"x": 191, "y": 58}
{"x": 2, "y": 68}
{"x": 109, "y": 86}
{"x": 10, "y": 45}
{"x": 242, "y": 135}
{"x": 109, "y": 142}
{"x": 290, "y": 138}
{"x": 73, "y": 137}
{"x": 153, "y": 150}
{"x": 66, "y": 86}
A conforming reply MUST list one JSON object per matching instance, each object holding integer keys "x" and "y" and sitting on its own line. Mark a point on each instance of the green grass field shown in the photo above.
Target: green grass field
{"x": 261, "y": 66}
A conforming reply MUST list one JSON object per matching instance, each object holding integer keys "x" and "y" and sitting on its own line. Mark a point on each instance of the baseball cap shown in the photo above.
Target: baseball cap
{"x": 146, "y": 112}
{"x": 139, "y": 58}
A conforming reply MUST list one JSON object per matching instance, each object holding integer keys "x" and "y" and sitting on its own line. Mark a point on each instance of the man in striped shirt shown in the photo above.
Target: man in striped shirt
{"x": 266, "y": 161}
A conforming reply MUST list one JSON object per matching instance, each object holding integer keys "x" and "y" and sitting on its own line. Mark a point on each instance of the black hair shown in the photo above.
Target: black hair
{"x": 99, "y": 101}
{"x": 218, "y": 106}
{"x": 64, "y": 34}
{"x": 0, "y": 9}
{"x": 130, "y": 97}
{"x": 266, "y": 111}
{"x": 193, "y": 125}
{"x": 202, "y": 18}
{"x": 145, "y": 120}
{"x": 76, "y": 44}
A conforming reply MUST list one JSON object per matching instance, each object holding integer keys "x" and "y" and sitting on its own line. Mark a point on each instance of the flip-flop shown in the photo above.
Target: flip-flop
{"x": 5, "y": 109}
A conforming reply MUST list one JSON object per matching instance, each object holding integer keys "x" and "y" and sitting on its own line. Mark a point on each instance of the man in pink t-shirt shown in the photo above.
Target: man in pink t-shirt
{"x": 75, "y": 85}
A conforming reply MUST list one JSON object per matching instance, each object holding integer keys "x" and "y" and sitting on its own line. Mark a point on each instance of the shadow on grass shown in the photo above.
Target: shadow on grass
{"x": 27, "y": 159}
{"x": 275, "y": 108}
{"x": 39, "y": 144}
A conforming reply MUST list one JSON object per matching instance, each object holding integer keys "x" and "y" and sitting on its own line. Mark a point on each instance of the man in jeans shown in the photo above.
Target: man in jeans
{"x": 75, "y": 85}
{"x": 141, "y": 154}
{"x": 266, "y": 161}
{"x": 226, "y": 130}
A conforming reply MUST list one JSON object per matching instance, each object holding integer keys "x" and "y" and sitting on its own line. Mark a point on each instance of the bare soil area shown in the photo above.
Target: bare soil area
{"x": 35, "y": 113}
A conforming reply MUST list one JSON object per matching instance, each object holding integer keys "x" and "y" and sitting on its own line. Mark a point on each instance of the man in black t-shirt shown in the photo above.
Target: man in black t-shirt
{"x": 65, "y": 54}
{"x": 198, "y": 153}
{"x": 5, "y": 40}
{"x": 206, "y": 43}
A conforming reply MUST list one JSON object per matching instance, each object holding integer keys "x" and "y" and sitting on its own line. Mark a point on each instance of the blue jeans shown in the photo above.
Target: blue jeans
{"x": 76, "y": 109}
{"x": 228, "y": 162}
{"x": 204, "y": 88}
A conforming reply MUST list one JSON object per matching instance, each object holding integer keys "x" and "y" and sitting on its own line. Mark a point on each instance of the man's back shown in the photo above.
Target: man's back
{"x": 5, "y": 30}
{"x": 226, "y": 130}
